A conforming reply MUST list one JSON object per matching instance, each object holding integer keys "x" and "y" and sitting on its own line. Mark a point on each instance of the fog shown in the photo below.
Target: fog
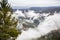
{"x": 51, "y": 22}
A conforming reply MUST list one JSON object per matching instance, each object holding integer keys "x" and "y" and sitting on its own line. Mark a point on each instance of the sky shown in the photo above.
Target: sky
{"x": 34, "y": 2}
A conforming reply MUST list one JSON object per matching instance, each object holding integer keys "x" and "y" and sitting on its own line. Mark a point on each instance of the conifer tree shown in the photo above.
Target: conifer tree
{"x": 7, "y": 23}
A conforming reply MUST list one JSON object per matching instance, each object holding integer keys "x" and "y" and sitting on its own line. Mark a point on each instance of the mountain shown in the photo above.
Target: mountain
{"x": 51, "y": 9}
{"x": 45, "y": 9}
{"x": 20, "y": 7}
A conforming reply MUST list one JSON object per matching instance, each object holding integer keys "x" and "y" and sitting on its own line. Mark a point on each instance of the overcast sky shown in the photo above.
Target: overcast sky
{"x": 34, "y": 2}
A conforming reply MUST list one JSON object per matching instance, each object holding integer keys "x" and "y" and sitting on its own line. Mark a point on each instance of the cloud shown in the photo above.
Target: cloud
{"x": 34, "y": 2}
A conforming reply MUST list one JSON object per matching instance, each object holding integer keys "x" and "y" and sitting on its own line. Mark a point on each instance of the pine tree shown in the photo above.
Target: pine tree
{"x": 7, "y": 23}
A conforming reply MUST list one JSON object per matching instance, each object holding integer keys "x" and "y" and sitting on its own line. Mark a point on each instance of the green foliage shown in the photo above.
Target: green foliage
{"x": 13, "y": 32}
{"x": 7, "y": 24}
{"x": 4, "y": 36}
{"x": 54, "y": 35}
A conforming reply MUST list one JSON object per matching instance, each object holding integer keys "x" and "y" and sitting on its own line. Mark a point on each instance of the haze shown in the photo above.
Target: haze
{"x": 34, "y": 2}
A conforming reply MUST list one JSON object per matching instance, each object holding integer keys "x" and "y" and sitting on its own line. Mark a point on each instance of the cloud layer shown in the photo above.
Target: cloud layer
{"x": 34, "y": 2}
